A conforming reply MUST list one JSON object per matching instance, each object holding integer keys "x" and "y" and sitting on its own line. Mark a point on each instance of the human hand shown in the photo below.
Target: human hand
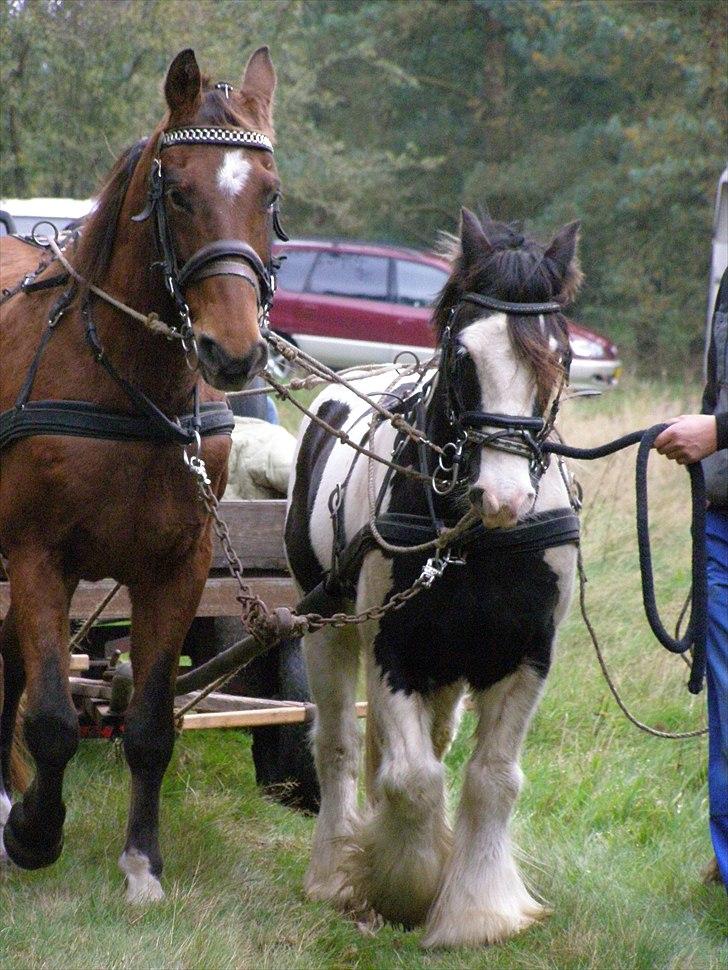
{"x": 689, "y": 438}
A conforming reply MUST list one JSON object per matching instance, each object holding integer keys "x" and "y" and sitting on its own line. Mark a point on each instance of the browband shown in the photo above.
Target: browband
{"x": 520, "y": 309}
{"x": 216, "y": 136}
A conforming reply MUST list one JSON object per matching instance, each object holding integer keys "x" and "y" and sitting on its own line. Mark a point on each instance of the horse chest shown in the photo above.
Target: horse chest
{"x": 478, "y": 622}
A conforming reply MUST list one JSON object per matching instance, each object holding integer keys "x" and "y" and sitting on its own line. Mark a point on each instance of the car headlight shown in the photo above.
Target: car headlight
{"x": 583, "y": 347}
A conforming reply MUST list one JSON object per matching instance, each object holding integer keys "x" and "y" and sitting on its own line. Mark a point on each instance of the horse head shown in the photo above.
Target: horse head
{"x": 184, "y": 225}
{"x": 504, "y": 357}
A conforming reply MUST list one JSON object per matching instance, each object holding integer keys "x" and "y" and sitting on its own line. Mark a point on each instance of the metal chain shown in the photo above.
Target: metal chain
{"x": 256, "y": 616}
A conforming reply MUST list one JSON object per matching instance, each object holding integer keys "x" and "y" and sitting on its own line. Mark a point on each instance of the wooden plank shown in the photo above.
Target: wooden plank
{"x": 218, "y": 598}
{"x": 260, "y": 718}
{"x": 256, "y": 532}
{"x": 242, "y": 719}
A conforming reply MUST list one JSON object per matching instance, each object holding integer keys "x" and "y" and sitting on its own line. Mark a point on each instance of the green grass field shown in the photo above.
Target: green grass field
{"x": 612, "y": 824}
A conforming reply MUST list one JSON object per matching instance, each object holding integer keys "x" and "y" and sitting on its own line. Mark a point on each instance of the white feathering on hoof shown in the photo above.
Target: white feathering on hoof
{"x": 141, "y": 885}
{"x": 4, "y": 813}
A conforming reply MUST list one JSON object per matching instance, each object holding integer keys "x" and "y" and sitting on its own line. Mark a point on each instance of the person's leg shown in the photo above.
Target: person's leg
{"x": 717, "y": 677}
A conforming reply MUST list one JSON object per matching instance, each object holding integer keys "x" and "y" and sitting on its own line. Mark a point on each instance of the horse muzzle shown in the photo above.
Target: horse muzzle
{"x": 227, "y": 373}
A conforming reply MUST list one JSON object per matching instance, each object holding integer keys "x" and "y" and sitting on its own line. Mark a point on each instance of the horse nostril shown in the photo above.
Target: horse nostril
{"x": 258, "y": 358}
{"x": 476, "y": 497}
{"x": 208, "y": 348}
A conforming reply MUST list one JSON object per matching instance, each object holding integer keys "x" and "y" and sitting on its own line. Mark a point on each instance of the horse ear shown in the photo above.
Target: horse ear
{"x": 183, "y": 82}
{"x": 472, "y": 238}
{"x": 562, "y": 250}
{"x": 259, "y": 83}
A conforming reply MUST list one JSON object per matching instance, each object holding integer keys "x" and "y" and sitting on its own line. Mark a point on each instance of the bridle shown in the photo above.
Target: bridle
{"x": 515, "y": 434}
{"x": 224, "y": 257}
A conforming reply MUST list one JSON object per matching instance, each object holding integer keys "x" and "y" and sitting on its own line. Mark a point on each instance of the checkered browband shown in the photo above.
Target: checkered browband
{"x": 216, "y": 136}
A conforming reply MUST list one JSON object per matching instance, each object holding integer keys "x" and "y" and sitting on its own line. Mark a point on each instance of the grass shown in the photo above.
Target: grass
{"x": 612, "y": 823}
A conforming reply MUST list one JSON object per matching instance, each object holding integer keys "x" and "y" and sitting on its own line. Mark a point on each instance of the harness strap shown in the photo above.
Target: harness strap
{"x": 556, "y": 527}
{"x": 518, "y": 309}
{"x": 80, "y": 419}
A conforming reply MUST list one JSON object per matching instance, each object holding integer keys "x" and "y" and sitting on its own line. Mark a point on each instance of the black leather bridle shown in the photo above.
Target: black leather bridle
{"x": 224, "y": 257}
{"x": 516, "y": 434}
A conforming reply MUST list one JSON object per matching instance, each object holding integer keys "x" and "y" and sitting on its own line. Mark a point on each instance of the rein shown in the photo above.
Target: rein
{"x": 696, "y": 632}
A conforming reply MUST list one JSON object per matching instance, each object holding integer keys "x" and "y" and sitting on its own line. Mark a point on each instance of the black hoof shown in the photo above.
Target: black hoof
{"x": 36, "y": 856}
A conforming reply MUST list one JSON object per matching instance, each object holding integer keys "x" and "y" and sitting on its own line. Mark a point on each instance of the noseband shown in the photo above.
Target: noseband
{"x": 224, "y": 257}
{"x": 515, "y": 434}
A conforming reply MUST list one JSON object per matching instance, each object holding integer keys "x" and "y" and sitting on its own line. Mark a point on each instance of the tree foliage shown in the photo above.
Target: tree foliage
{"x": 393, "y": 114}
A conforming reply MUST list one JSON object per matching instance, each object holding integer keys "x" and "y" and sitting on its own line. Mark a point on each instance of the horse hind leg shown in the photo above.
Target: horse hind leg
{"x": 332, "y": 661}
{"x": 38, "y": 624}
{"x": 482, "y": 898}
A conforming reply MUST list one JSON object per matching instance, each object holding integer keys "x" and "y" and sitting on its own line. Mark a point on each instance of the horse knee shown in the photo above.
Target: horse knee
{"x": 148, "y": 742}
{"x": 336, "y": 752}
{"x": 52, "y": 735}
{"x": 412, "y": 790}
{"x": 496, "y": 783}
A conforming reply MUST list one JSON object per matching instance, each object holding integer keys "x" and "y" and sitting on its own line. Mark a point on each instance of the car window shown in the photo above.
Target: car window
{"x": 294, "y": 269}
{"x": 417, "y": 284}
{"x": 350, "y": 274}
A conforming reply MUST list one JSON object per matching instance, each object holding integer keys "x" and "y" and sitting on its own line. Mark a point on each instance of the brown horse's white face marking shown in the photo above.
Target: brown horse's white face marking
{"x": 216, "y": 194}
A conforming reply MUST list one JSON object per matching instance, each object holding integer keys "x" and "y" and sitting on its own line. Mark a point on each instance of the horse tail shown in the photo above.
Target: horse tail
{"x": 20, "y": 769}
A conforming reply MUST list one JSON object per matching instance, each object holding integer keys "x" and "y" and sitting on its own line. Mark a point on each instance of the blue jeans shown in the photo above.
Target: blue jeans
{"x": 716, "y": 539}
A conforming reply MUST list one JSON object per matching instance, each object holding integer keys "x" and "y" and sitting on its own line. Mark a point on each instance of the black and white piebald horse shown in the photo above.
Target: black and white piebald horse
{"x": 486, "y": 624}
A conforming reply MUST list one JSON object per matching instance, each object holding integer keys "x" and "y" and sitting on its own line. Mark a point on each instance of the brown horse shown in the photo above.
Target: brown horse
{"x": 203, "y": 189}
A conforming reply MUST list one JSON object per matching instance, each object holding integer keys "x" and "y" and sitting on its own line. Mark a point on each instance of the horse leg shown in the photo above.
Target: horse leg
{"x": 402, "y": 844}
{"x": 482, "y": 898}
{"x": 332, "y": 660}
{"x": 12, "y": 681}
{"x": 161, "y": 616}
{"x": 33, "y": 835}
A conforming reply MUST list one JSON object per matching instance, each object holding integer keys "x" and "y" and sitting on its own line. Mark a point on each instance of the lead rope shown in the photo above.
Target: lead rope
{"x": 670, "y": 735}
{"x": 151, "y": 320}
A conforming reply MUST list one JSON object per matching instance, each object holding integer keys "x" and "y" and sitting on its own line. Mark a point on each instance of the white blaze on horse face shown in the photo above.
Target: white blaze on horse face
{"x": 507, "y": 386}
{"x": 233, "y": 173}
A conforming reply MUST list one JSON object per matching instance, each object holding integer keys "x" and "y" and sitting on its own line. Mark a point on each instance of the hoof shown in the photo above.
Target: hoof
{"x": 22, "y": 854}
{"x": 142, "y": 886}
{"x": 481, "y": 927}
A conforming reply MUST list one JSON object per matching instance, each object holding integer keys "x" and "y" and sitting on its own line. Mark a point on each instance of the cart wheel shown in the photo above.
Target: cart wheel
{"x": 281, "y": 754}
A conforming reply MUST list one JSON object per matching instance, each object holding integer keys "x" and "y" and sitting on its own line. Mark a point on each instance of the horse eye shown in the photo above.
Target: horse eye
{"x": 178, "y": 200}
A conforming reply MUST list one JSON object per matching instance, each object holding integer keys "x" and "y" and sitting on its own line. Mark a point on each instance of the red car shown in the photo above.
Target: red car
{"x": 350, "y": 303}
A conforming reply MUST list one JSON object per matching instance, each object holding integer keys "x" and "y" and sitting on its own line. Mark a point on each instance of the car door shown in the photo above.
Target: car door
{"x": 347, "y": 312}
